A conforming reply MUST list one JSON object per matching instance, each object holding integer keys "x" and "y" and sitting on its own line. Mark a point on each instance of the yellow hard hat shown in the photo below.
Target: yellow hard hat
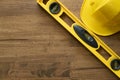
{"x": 101, "y": 16}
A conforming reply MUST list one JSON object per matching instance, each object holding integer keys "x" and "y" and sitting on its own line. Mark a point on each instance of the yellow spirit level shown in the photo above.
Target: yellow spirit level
{"x": 82, "y": 33}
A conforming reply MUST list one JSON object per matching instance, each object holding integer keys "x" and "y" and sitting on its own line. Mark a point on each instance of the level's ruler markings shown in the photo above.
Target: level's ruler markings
{"x": 82, "y": 33}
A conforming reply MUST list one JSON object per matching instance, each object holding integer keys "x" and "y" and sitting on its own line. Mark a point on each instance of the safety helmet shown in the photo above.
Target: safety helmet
{"x": 101, "y": 16}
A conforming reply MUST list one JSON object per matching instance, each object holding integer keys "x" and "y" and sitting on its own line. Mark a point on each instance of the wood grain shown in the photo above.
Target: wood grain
{"x": 33, "y": 46}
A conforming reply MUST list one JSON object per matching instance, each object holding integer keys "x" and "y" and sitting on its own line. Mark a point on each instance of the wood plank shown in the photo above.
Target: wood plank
{"x": 33, "y": 46}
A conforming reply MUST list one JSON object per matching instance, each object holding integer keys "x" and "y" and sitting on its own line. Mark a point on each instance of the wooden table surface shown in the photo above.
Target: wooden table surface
{"x": 33, "y": 46}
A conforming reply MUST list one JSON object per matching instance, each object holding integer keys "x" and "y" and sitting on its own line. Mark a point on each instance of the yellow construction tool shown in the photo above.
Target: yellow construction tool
{"x": 82, "y": 33}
